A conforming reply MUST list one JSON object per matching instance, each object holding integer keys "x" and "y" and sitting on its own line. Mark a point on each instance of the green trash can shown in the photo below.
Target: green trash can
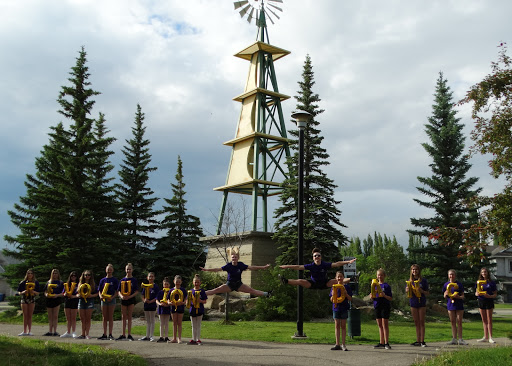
{"x": 354, "y": 322}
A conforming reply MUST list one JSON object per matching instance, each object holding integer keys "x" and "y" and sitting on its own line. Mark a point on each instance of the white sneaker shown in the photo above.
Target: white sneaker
{"x": 462, "y": 342}
{"x": 22, "y": 334}
{"x": 453, "y": 341}
{"x": 30, "y": 334}
{"x": 65, "y": 335}
{"x": 344, "y": 348}
{"x": 482, "y": 340}
{"x": 491, "y": 340}
{"x": 74, "y": 335}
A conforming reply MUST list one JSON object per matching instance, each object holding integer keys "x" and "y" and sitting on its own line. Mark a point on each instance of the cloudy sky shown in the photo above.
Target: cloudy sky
{"x": 375, "y": 64}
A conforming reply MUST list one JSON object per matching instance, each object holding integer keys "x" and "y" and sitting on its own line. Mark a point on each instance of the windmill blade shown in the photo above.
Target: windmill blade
{"x": 245, "y": 10}
{"x": 277, "y": 16}
{"x": 276, "y": 7}
{"x": 239, "y": 4}
{"x": 268, "y": 17}
{"x": 249, "y": 18}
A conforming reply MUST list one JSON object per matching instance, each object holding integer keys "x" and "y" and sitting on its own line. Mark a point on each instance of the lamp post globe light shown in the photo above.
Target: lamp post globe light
{"x": 301, "y": 119}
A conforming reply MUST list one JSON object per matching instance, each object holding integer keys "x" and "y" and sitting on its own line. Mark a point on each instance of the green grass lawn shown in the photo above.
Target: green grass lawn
{"x": 501, "y": 356}
{"x": 503, "y": 306}
{"x": 26, "y": 351}
{"x": 401, "y": 332}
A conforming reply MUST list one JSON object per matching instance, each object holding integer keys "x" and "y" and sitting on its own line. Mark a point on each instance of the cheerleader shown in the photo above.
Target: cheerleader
{"x": 128, "y": 289}
{"x": 107, "y": 290}
{"x": 177, "y": 310}
{"x": 71, "y": 304}
{"x": 28, "y": 289}
{"x": 149, "y": 299}
{"x": 418, "y": 304}
{"x": 53, "y": 292}
{"x": 486, "y": 304}
{"x": 455, "y": 306}
{"x": 164, "y": 309}
{"x": 86, "y": 303}
{"x": 196, "y": 313}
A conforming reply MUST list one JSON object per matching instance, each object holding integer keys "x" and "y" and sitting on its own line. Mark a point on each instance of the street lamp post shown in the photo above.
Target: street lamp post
{"x": 301, "y": 118}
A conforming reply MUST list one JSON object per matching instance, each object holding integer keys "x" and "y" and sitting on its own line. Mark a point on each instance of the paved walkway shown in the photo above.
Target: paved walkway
{"x": 231, "y": 353}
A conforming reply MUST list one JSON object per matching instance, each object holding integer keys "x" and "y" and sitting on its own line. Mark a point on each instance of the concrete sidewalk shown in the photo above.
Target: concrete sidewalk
{"x": 226, "y": 353}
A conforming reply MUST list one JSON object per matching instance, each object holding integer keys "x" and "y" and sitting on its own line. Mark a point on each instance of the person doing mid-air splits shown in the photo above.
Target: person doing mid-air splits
{"x": 318, "y": 269}
{"x": 234, "y": 283}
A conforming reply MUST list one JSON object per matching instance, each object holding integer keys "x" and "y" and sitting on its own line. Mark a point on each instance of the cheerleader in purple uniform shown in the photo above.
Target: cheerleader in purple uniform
{"x": 150, "y": 307}
{"x": 86, "y": 304}
{"x": 127, "y": 302}
{"x": 196, "y": 314}
{"x": 177, "y": 310}
{"x": 455, "y": 306}
{"x": 318, "y": 270}
{"x": 382, "y": 306}
{"x": 71, "y": 305}
{"x": 418, "y": 305}
{"x": 164, "y": 309}
{"x": 28, "y": 300}
{"x": 340, "y": 313}
{"x": 108, "y": 301}
{"x": 486, "y": 304}
{"x": 234, "y": 270}
{"x": 53, "y": 292}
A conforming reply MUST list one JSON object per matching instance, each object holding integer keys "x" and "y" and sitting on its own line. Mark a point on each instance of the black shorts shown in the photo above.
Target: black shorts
{"x": 318, "y": 285}
{"x": 128, "y": 302}
{"x": 53, "y": 302}
{"x": 486, "y": 303}
{"x": 71, "y": 303}
{"x": 234, "y": 285}
{"x": 383, "y": 311}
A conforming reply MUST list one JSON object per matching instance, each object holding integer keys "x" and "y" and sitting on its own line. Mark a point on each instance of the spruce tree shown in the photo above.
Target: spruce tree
{"x": 179, "y": 251}
{"x": 63, "y": 219}
{"x": 447, "y": 189}
{"x": 138, "y": 218}
{"x": 322, "y": 225}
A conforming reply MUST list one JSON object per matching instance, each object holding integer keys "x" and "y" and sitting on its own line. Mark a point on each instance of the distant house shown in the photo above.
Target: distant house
{"x": 5, "y": 288}
{"x": 503, "y": 271}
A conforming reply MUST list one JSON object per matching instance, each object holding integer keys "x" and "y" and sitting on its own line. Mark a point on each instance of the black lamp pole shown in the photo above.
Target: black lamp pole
{"x": 301, "y": 118}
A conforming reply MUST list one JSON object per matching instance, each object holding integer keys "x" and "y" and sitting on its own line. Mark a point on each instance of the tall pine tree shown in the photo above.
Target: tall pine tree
{"x": 322, "y": 225}
{"x": 138, "y": 218}
{"x": 447, "y": 190}
{"x": 179, "y": 251}
{"x": 62, "y": 219}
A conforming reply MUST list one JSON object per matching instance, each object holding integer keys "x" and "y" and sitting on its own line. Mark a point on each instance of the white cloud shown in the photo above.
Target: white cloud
{"x": 375, "y": 66}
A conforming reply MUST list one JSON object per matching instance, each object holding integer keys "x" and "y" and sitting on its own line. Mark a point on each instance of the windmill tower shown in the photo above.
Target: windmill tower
{"x": 260, "y": 147}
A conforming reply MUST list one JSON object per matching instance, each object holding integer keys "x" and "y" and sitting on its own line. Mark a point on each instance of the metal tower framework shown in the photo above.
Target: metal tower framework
{"x": 261, "y": 146}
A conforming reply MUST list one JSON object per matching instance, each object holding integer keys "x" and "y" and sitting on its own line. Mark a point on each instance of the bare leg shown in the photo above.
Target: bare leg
{"x": 460, "y": 314}
{"x": 381, "y": 330}
{"x": 219, "y": 290}
{"x": 337, "y": 329}
{"x": 453, "y": 318}
{"x": 343, "y": 330}
{"x": 250, "y": 290}
{"x": 489, "y": 322}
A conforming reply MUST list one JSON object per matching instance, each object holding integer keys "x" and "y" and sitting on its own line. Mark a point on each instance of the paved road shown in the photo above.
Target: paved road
{"x": 231, "y": 353}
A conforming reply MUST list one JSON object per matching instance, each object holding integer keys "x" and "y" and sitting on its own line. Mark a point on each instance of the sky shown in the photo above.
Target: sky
{"x": 375, "y": 62}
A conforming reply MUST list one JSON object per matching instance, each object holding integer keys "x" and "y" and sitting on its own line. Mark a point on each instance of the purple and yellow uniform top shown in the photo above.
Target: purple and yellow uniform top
{"x": 235, "y": 272}
{"x": 418, "y": 302}
{"x": 344, "y": 305}
{"x": 318, "y": 272}
{"x": 382, "y": 301}
{"x": 489, "y": 288}
{"x": 455, "y": 304}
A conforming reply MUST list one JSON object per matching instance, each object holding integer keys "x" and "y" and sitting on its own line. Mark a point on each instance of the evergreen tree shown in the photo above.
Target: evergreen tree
{"x": 135, "y": 197}
{"x": 322, "y": 226}
{"x": 448, "y": 189}
{"x": 368, "y": 246}
{"x": 179, "y": 251}
{"x": 63, "y": 219}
